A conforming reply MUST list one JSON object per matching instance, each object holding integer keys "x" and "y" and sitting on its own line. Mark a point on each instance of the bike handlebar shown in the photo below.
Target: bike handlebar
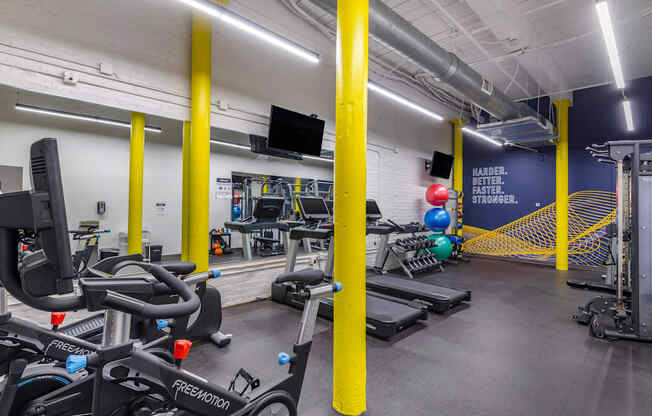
{"x": 190, "y": 301}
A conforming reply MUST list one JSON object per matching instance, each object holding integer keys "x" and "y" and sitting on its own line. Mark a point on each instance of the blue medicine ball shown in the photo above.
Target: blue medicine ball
{"x": 437, "y": 220}
{"x": 236, "y": 211}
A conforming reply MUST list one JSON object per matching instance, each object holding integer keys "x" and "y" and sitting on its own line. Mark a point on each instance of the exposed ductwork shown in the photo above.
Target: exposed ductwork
{"x": 388, "y": 27}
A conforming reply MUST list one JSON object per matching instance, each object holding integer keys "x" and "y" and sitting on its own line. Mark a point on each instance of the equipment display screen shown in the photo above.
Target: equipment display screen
{"x": 295, "y": 132}
{"x": 372, "y": 209}
{"x": 441, "y": 165}
{"x": 313, "y": 207}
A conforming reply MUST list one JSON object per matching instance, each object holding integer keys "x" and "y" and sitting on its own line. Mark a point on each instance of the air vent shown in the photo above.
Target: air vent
{"x": 525, "y": 131}
{"x": 39, "y": 165}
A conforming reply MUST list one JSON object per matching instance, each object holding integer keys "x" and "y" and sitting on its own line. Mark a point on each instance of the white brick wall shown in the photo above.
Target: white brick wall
{"x": 247, "y": 282}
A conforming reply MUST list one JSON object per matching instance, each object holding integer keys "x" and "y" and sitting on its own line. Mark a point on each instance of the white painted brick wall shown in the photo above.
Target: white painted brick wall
{"x": 253, "y": 281}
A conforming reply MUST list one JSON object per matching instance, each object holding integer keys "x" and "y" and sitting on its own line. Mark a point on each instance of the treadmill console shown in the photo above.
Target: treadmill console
{"x": 313, "y": 209}
{"x": 373, "y": 211}
{"x": 268, "y": 209}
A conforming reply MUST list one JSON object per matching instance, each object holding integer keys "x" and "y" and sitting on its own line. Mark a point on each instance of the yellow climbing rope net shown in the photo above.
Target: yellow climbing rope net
{"x": 533, "y": 236}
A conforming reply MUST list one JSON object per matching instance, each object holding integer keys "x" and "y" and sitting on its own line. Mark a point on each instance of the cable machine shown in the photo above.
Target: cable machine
{"x": 628, "y": 314}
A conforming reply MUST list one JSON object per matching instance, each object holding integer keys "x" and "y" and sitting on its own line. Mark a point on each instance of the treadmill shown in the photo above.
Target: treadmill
{"x": 436, "y": 298}
{"x": 266, "y": 216}
{"x": 386, "y": 315}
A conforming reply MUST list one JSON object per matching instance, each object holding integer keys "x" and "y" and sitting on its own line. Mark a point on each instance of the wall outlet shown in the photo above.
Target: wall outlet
{"x": 70, "y": 78}
{"x": 222, "y": 105}
{"x": 106, "y": 68}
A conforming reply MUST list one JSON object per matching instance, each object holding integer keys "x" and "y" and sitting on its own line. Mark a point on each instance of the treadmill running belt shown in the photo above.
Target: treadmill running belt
{"x": 438, "y": 298}
{"x": 384, "y": 317}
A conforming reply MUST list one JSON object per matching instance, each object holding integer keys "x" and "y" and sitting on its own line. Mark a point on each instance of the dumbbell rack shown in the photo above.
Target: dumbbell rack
{"x": 408, "y": 253}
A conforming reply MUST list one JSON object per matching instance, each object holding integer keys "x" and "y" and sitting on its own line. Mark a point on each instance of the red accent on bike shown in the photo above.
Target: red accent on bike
{"x": 56, "y": 318}
{"x": 181, "y": 348}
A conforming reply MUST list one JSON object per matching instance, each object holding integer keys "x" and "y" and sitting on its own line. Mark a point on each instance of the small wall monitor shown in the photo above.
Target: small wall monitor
{"x": 441, "y": 165}
{"x": 295, "y": 132}
{"x": 313, "y": 208}
{"x": 373, "y": 211}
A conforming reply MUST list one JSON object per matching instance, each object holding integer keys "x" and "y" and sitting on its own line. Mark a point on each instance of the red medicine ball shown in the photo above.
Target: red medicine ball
{"x": 437, "y": 195}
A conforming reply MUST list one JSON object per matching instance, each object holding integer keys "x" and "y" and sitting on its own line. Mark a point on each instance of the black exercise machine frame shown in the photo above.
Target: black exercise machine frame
{"x": 629, "y": 313}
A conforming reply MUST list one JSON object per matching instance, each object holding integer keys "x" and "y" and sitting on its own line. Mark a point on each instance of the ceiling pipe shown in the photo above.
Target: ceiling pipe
{"x": 388, "y": 27}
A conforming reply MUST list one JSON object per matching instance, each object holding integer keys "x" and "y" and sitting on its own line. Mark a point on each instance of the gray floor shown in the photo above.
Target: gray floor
{"x": 514, "y": 351}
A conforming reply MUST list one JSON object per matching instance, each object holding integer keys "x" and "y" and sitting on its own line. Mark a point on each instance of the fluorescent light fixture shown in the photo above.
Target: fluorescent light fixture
{"x": 610, "y": 40}
{"x": 401, "y": 100}
{"x": 233, "y": 145}
{"x": 482, "y": 136}
{"x": 627, "y": 105}
{"x": 82, "y": 117}
{"x": 321, "y": 159}
{"x": 253, "y": 29}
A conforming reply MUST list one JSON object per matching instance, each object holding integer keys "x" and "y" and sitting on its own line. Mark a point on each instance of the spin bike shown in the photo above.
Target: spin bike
{"x": 160, "y": 387}
{"x": 120, "y": 377}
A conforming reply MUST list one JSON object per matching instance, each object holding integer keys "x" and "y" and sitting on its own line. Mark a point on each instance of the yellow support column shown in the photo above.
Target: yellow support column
{"x": 200, "y": 112}
{"x": 458, "y": 166}
{"x": 297, "y": 188}
{"x": 562, "y": 184}
{"x": 136, "y": 167}
{"x": 350, "y": 361}
{"x": 185, "y": 199}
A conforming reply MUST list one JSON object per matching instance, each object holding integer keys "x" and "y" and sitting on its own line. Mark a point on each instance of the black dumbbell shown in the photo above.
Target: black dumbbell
{"x": 433, "y": 262}
{"x": 424, "y": 265}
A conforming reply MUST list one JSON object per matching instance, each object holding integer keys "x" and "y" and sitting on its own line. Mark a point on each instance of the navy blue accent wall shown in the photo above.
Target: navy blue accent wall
{"x": 596, "y": 116}
{"x": 529, "y": 177}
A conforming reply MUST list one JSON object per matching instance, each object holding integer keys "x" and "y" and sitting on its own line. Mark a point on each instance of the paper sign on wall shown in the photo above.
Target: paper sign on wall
{"x": 224, "y": 188}
{"x": 160, "y": 208}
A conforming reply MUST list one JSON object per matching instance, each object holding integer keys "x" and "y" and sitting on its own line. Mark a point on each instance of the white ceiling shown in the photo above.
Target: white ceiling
{"x": 527, "y": 47}
{"x": 550, "y": 45}
{"x": 556, "y": 44}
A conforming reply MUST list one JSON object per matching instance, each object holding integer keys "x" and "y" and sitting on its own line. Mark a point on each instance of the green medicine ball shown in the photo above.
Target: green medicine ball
{"x": 444, "y": 248}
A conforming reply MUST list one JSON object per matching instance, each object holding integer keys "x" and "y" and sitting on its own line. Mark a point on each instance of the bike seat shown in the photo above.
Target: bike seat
{"x": 308, "y": 277}
{"x": 181, "y": 268}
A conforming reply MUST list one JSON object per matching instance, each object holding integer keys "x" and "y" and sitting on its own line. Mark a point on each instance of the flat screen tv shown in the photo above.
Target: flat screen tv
{"x": 441, "y": 165}
{"x": 295, "y": 132}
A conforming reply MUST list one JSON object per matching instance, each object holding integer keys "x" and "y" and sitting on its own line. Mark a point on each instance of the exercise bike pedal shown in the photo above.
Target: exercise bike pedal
{"x": 250, "y": 383}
